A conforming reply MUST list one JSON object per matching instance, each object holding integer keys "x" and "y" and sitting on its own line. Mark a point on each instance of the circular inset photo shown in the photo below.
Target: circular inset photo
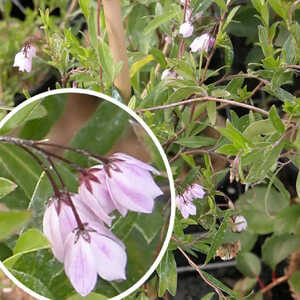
{"x": 85, "y": 197}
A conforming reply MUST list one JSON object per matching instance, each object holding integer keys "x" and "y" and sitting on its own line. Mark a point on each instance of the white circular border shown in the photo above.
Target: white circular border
{"x": 165, "y": 160}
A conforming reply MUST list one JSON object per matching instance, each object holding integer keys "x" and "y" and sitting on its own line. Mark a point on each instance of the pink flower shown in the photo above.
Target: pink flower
{"x": 241, "y": 223}
{"x": 168, "y": 74}
{"x": 125, "y": 183}
{"x": 185, "y": 200}
{"x": 89, "y": 253}
{"x": 203, "y": 42}
{"x": 86, "y": 251}
{"x": 23, "y": 59}
{"x": 186, "y": 29}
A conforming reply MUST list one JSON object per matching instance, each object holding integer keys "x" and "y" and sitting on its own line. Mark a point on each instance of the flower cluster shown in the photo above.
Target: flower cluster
{"x": 202, "y": 43}
{"x": 76, "y": 224}
{"x": 184, "y": 201}
{"x": 23, "y": 59}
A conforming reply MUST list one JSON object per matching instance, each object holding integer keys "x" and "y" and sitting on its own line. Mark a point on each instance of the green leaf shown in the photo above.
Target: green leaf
{"x": 6, "y": 186}
{"x": 196, "y": 141}
{"x": 217, "y": 238}
{"x": 173, "y": 11}
{"x": 91, "y": 296}
{"x": 264, "y": 41}
{"x": 295, "y": 281}
{"x": 100, "y": 132}
{"x": 208, "y": 296}
{"x": 221, "y": 4}
{"x": 212, "y": 112}
{"x": 140, "y": 64}
{"x": 159, "y": 57}
{"x": 22, "y": 167}
{"x": 228, "y": 149}
{"x": 276, "y": 121}
{"x": 248, "y": 264}
{"x": 259, "y": 171}
{"x": 280, "y": 8}
{"x": 220, "y": 285}
{"x": 257, "y": 129}
{"x": 235, "y": 136}
{"x": 230, "y": 16}
{"x": 29, "y": 241}
{"x": 167, "y": 274}
{"x": 11, "y": 221}
{"x": 33, "y": 110}
{"x": 54, "y": 107}
{"x": 278, "y": 247}
{"x": 183, "y": 93}
{"x": 288, "y": 220}
{"x": 32, "y": 283}
{"x": 85, "y": 6}
{"x": 298, "y": 185}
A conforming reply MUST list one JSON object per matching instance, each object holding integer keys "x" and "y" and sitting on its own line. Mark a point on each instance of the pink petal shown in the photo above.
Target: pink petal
{"x": 80, "y": 264}
{"x": 110, "y": 258}
{"x": 89, "y": 205}
{"x": 52, "y": 231}
{"x": 133, "y": 188}
{"x": 67, "y": 220}
{"x": 133, "y": 161}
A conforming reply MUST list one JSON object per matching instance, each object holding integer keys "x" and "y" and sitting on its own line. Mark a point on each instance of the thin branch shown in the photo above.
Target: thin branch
{"x": 195, "y": 266}
{"x": 275, "y": 283}
{"x": 207, "y": 98}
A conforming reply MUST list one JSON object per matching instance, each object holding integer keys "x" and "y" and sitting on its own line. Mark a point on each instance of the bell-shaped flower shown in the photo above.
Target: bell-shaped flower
{"x": 184, "y": 201}
{"x": 186, "y": 29}
{"x": 130, "y": 184}
{"x": 240, "y": 224}
{"x": 89, "y": 253}
{"x": 94, "y": 195}
{"x": 202, "y": 42}
{"x": 86, "y": 251}
{"x": 168, "y": 74}
{"x": 23, "y": 59}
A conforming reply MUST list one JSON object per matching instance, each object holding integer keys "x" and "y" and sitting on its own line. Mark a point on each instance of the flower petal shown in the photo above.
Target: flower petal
{"x": 80, "y": 264}
{"x": 110, "y": 258}
{"x": 52, "y": 231}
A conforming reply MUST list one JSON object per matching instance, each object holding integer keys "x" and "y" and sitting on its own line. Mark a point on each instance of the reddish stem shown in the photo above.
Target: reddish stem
{"x": 261, "y": 284}
{"x": 273, "y": 275}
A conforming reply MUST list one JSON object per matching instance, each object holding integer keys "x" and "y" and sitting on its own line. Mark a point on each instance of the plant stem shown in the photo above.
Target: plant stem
{"x": 274, "y": 283}
{"x": 207, "y": 98}
{"x": 117, "y": 43}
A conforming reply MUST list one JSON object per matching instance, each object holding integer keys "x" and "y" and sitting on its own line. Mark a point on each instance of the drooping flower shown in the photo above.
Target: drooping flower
{"x": 126, "y": 183}
{"x": 240, "y": 223}
{"x": 185, "y": 200}
{"x": 89, "y": 253}
{"x": 202, "y": 42}
{"x": 186, "y": 29}
{"x": 23, "y": 59}
{"x": 85, "y": 251}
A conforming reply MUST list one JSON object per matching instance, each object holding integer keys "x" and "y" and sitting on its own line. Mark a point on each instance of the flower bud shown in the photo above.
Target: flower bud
{"x": 186, "y": 29}
{"x": 203, "y": 42}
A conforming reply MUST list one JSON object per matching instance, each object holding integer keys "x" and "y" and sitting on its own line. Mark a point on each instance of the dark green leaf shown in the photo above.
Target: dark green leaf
{"x": 295, "y": 281}
{"x": 100, "y": 132}
{"x": 288, "y": 220}
{"x": 278, "y": 247}
{"x": 248, "y": 264}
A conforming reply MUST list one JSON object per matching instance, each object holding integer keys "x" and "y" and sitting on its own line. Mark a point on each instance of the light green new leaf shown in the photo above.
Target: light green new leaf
{"x": 11, "y": 221}
{"x": 29, "y": 241}
{"x": 196, "y": 141}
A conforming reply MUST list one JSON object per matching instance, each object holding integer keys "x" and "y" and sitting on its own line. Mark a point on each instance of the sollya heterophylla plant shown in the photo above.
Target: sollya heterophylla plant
{"x": 77, "y": 224}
